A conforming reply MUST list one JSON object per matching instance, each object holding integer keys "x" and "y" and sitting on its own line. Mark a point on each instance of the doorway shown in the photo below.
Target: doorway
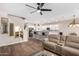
{"x": 4, "y": 23}
{"x": 5, "y": 28}
{"x": 11, "y": 29}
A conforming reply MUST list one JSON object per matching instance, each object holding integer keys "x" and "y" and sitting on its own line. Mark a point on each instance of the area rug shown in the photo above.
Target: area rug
{"x": 45, "y": 53}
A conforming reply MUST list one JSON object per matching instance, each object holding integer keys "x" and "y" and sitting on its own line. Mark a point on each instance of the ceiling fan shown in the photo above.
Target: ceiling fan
{"x": 39, "y": 8}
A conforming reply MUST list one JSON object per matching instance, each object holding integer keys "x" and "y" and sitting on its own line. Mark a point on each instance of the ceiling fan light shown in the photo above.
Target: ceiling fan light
{"x": 74, "y": 24}
{"x": 38, "y": 11}
{"x": 70, "y": 25}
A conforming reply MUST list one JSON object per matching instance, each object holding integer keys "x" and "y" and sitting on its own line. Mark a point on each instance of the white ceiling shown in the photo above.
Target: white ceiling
{"x": 60, "y": 11}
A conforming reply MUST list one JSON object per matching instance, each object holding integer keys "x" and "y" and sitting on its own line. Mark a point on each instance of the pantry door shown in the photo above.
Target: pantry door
{"x": 11, "y": 29}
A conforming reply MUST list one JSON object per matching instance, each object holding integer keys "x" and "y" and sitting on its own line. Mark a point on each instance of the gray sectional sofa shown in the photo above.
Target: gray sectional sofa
{"x": 66, "y": 46}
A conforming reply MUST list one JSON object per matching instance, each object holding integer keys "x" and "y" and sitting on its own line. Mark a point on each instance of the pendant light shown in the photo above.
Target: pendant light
{"x": 73, "y": 23}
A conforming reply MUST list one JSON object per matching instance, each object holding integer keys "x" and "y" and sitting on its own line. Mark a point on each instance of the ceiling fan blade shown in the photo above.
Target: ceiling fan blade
{"x": 41, "y": 13}
{"x": 46, "y": 9}
{"x": 38, "y": 3}
{"x": 31, "y": 6}
{"x": 42, "y": 4}
{"x": 38, "y": 8}
{"x": 33, "y": 11}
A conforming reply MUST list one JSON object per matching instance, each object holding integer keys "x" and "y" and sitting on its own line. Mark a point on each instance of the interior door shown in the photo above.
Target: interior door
{"x": 5, "y": 28}
{"x": 11, "y": 29}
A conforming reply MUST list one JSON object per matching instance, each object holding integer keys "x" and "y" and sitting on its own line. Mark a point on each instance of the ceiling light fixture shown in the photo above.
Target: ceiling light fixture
{"x": 73, "y": 23}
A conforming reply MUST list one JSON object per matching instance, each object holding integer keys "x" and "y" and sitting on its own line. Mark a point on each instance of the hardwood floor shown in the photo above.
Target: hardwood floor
{"x": 22, "y": 49}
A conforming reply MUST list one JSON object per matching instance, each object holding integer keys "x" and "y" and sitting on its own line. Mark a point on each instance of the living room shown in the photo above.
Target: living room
{"x": 39, "y": 29}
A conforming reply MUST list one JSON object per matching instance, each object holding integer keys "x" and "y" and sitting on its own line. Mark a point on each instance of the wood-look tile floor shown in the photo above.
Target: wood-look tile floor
{"x": 22, "y": 49}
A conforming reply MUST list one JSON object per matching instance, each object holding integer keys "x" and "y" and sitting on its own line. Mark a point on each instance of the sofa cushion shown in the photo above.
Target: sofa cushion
{"x": 68, "y": 51}
{"x": 72, "y": 44}
{"x": 58, "y": 49}
{"x": 50, "y": 46}
{"x": 73, "y": 39}
{"x": 49, "y": 43}
{"x": 53, "y": 38}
